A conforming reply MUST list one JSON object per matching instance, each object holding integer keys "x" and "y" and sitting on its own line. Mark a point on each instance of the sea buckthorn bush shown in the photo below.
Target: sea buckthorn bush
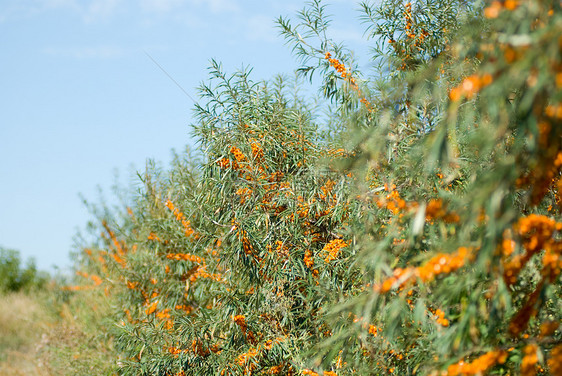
{"x": 415, "y": 231}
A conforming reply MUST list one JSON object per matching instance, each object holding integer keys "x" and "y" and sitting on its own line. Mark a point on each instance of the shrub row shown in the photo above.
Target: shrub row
{"x": 415, "y": 230}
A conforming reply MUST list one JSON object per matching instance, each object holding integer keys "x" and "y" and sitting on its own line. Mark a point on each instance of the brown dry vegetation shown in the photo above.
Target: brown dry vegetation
{"x": 23, "y": 321}
{"x": 44, "y": 337}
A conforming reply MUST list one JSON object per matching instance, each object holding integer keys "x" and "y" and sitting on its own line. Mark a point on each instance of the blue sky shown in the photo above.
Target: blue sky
{"x": 79, "y": 99}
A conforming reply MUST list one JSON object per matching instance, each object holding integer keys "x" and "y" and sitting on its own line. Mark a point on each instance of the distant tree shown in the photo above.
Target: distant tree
{"x": 17, "y": 277}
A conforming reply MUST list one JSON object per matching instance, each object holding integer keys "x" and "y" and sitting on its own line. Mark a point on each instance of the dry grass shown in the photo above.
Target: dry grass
{"x": 42, "y": 336}
{"x": 23, "y": 322}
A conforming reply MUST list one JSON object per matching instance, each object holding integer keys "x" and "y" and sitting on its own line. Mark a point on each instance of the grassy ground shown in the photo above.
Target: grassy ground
{"x": 50, "y": 334}
{"x": 24, "y": 320}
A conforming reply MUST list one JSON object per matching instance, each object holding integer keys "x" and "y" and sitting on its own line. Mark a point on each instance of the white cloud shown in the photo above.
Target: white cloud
{"x": 161, "y": 6}
{"x": 87, "y": 52}
{"x": 89, "y": 10}
{"x": 98, "y": 9}
{"x": 218, "y": 6}
{"x": 261, "y": 28}
{"x": 223, "y": 5}
{"x": 50, "y": 4}
{"x": 346, "y": 35}
{"x": 13, "y": 9}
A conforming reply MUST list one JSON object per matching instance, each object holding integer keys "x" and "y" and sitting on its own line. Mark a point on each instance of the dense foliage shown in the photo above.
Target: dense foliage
{"x": 417, "y": 232}
{"x": 17, "y": 277}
